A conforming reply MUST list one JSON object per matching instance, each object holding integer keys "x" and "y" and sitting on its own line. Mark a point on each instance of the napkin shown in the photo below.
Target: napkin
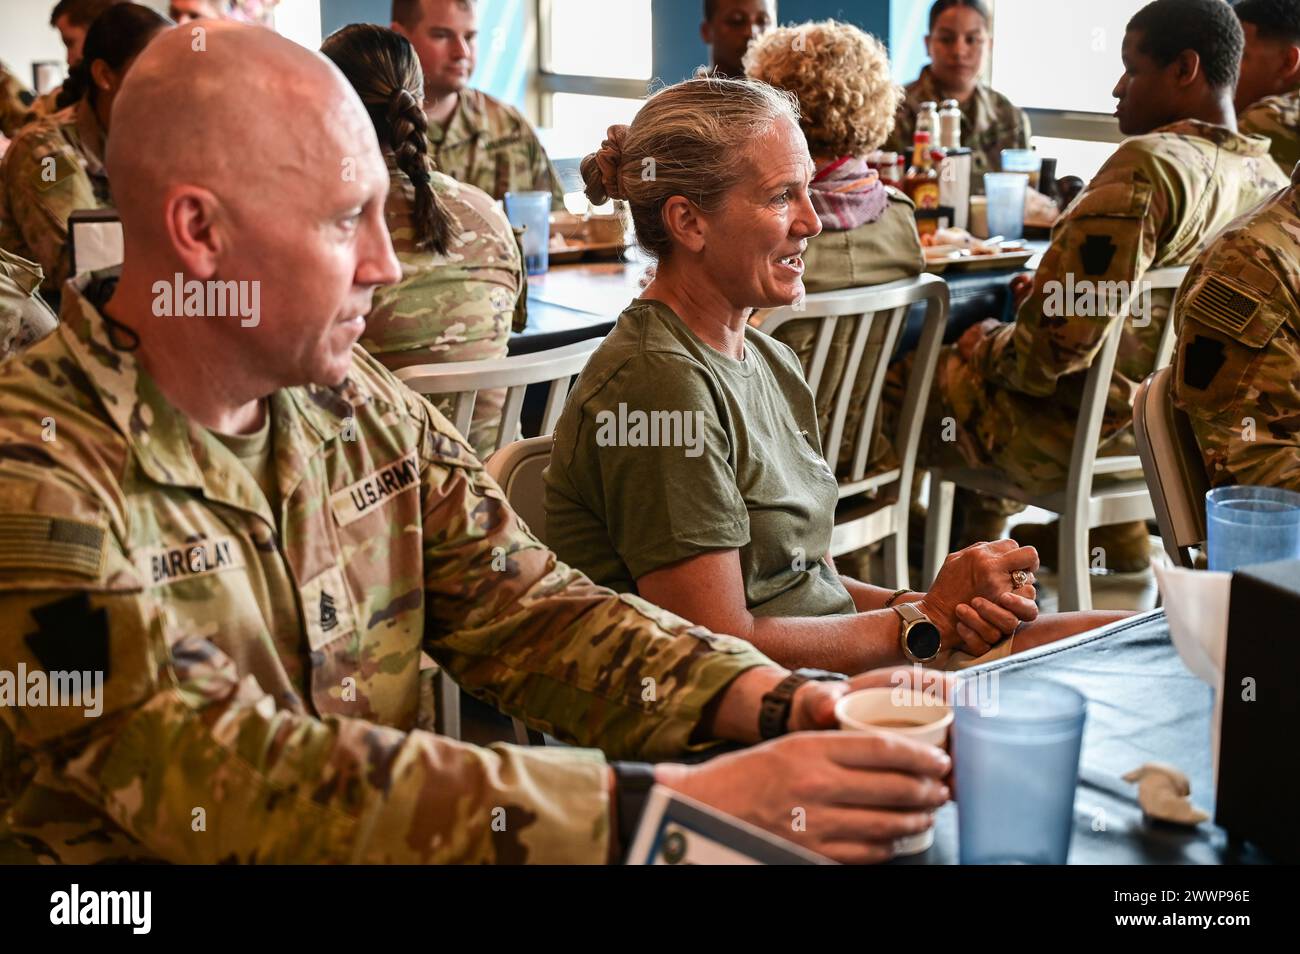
{"x": 1196, "y": 608}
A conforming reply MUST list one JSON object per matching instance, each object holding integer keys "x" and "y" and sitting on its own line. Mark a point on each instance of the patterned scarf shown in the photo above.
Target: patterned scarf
{"x": 847, "y": 193}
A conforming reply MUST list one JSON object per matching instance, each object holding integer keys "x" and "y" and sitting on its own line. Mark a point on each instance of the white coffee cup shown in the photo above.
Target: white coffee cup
{"x": 928, "y": 722}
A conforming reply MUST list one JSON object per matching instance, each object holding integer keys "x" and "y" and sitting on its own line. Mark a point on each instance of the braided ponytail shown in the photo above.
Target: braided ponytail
{"x": 383, "y": 69}
{"x": 406, "y": 131}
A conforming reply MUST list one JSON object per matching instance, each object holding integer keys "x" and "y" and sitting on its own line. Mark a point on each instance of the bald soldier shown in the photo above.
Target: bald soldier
{"x": 1013, "y": 390}
{"x": 1237, "y": 365}
{"x": 1268, "y": 92}
{"x": 474, "y": 137}
{"x": 251, "y": 530}
{"x": 24, "y": 317}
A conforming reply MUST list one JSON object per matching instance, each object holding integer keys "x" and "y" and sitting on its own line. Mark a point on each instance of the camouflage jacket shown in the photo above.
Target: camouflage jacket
{"x": 1237, "y": 366}
{"x": 989, "y": 123}
{"x": 261, "y": 668}
{"x": 1278, "y": 118}
{"x": 13, "y": 111}
{"x": 1154, "y": 204}
{"x": 457, "y": 307}
{"x": 54, "y": 167}
{"x": 490, "y": 144}
{"x": 24, "y": 318}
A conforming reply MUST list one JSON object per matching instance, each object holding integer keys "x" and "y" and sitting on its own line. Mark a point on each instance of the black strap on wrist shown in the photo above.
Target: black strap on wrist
{"x": 633, "y": 781}
{"x": 774, "y": 713}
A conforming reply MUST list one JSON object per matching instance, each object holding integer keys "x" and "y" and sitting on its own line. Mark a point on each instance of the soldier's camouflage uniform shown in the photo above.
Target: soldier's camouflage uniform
{"x": 13, "y": 111}
{"x": 989, "y": 123}
{"x": 489, "y": 144}
{"x": 53, "y": 168}
{"x": 1278, "y": 118}
{"x": 1237, "y": 366}
{"x": 262, "y": 668}
{"x": 1153, "y": 205}
{"x": 457, "y": 307}
{"x": 24, "y": 318}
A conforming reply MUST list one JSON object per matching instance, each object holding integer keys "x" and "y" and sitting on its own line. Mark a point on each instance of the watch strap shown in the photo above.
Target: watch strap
{"x": 774, "y": 713}
{"x": 633, "y": 781}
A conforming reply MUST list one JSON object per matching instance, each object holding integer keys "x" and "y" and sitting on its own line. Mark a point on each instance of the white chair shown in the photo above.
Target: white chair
{"x": 465, "y": 379}
{"x": 881, "y": 314}
{"x": 1174, "y": 468}
{"x": 518, "y": 469}
{"x": 1085, "y": 502}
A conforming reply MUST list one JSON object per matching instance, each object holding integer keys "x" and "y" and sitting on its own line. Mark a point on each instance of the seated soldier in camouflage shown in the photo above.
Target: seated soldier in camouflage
{"x": 250, "y": 530}
{"x": 463, "y": 288}
{"x": 1268, "y": 90}
{"x": 847, "y": 100}
{"x": 1007, "y": 395}
{"x": 959, "y": 42}
{"x": 473, "y": 137}
{"x": 687, "y": 465}
{"x": 24, "y": 318}
{"x": 55, "y": 166}
{"x": 1237, "y": 366}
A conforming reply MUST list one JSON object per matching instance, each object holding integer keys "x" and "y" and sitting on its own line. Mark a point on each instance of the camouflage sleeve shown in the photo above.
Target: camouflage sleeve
{"x": 1100, "y": 250}
{"x": 24, "y": 317}
{"x": 1237, "y": 363}
{"x": 13, "y": 111}
{"x": 45, "y": 185}
{"x": 180, "y": 755}
{"x": 538, "y": 640}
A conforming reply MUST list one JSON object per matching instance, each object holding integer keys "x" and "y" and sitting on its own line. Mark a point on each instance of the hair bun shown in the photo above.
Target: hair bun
{"x": 600, "y": 169}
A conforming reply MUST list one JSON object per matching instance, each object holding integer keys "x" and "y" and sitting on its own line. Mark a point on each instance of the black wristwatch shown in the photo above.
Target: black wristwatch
{"x": 633, "y": 781}
{"x": 774, "y": 714}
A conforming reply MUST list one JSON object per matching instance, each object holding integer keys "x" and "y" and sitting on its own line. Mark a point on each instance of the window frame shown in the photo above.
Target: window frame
{"x": 550, "y": 83}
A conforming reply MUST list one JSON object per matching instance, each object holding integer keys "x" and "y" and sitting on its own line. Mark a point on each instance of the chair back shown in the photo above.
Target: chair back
{"x": 515, "y": 373}
{"x": 518, "y": 468}
{"x": 1173, "y": 466}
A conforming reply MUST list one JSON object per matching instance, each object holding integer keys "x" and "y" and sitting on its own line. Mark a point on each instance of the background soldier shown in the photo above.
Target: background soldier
{"x": 1013, "y": 389}
{"x": 1268, "y": 92}
{"x": 1238, "y": 357}
{"x": 473, "y": 137}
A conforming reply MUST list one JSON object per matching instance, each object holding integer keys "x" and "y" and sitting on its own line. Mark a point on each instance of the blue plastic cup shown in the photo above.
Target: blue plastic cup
{"x": 1251, "y": 525}
{"x": 1006, "y": 203}
{"x": 531, "y": 211}
{"x": 1017, "y": 765}
{"x": 1023, "y": 160}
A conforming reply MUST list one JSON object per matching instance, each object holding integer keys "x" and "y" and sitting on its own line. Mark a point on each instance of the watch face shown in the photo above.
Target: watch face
{"x": 923, "y": 640}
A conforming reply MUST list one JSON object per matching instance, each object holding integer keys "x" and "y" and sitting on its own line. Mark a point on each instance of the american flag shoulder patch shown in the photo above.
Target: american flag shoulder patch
{"x": 1223, "y": 305}
{"x": 30, "y": 541}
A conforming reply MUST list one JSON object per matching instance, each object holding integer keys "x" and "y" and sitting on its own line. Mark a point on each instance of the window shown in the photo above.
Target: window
{"x": 581, "y": 41}
{"x": 596, "y": 62}
{"x": 299, "y": 20}
{"x": 1077, "y": 47}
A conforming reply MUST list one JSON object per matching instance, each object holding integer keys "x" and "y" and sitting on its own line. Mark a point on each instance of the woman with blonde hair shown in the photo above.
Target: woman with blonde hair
{"x": 847, "y": 100}
{"x": 687, "y": 465}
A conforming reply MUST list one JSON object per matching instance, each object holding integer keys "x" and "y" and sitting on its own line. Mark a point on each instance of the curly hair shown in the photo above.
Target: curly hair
{"x": 842, "y": 79}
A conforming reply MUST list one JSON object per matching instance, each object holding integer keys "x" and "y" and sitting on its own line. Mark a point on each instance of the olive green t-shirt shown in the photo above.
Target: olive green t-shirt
{"x": 255, "y": 451}
{"x": 668, "y": 448}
